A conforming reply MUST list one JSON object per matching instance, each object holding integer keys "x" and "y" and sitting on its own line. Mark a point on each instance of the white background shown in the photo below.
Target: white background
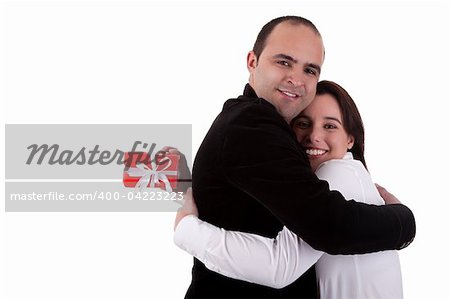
{"x": 177, "y": 62}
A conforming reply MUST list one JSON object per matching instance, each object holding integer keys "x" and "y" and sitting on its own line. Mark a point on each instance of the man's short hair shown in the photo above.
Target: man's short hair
{"x": 260, "y": 42}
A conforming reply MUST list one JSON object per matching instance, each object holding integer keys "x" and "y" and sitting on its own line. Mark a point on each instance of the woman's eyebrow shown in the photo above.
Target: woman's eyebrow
{"x": 333, "y": 118}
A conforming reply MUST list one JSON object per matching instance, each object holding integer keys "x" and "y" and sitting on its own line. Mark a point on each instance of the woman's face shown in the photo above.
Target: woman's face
{"x": 320, "y": 131}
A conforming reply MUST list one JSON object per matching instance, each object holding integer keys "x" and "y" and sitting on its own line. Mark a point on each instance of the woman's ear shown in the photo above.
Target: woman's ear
{"x": 350, "y": 142}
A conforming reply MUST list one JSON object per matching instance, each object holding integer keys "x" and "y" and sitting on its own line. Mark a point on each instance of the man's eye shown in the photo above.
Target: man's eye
{"x": 311, "y": 71}
{"x": 283, "y": 62}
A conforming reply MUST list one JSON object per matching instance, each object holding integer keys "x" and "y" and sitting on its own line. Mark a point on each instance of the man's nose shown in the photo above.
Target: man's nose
{"x": 296, "y": 78}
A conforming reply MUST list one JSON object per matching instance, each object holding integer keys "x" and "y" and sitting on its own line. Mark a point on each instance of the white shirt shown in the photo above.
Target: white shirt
{"x": 279, "y": 262}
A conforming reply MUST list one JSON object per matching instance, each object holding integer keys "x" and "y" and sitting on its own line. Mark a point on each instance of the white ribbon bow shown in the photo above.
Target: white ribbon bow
{"x": 152, "y": 175}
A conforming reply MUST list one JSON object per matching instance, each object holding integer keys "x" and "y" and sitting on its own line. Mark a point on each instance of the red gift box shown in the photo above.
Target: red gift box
{"x": 142, "y": 172}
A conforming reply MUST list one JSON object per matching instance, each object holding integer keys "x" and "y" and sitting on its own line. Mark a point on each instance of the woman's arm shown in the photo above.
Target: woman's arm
{"x": 272, "y": 262}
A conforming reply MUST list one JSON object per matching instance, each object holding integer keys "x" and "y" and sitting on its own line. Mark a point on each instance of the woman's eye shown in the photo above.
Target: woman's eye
{"x": 302, "y": 125}
{"x": 330, "y": 126}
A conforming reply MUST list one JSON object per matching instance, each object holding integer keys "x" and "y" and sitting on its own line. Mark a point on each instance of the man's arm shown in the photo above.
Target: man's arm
{"x": 261, "y": 158}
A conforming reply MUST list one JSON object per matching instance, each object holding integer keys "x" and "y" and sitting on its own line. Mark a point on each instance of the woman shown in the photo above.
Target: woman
{"x": 332, "y": 134}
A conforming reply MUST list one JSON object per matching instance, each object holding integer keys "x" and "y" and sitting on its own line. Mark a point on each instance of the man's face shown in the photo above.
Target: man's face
{"x": 288, "y": 68}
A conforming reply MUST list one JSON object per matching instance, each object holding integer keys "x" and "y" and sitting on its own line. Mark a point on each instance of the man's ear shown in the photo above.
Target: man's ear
{"x": 252, "y": 61}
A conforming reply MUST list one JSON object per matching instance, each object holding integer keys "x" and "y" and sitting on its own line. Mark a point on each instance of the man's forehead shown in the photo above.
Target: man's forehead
{"x": 295, "y": 42}
{"x": 289, "y": 28}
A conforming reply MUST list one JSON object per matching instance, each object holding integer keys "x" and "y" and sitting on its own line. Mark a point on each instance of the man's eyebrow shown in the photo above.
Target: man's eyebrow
{"x": 290, "y": 58}
{"x": 284, "y": 56}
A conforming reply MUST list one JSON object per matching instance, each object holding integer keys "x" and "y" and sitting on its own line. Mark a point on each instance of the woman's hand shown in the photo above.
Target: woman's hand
{"x": 189, "y": 207}
{"x": 184, "y": 174}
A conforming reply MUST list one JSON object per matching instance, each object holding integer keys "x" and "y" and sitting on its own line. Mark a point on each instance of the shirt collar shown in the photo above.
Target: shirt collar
{"x": 249, "y": 92}
{"x": 348, "y": 156}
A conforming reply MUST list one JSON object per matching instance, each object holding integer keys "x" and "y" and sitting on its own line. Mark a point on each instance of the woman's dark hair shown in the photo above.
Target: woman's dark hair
{"x": 260, "y": 42}
{"x": 351, "y": 118}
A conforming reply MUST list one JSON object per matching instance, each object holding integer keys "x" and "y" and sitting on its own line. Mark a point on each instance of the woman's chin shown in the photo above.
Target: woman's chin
{"x": 315, "y": 163}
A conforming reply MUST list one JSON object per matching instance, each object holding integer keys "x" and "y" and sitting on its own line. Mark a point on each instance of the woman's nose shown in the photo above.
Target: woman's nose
{"x": 314, "y": 135}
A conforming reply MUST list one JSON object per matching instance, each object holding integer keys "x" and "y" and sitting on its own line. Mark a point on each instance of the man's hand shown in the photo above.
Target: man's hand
{"x": 389, "y": 199}
{"x": 189, "y": 207}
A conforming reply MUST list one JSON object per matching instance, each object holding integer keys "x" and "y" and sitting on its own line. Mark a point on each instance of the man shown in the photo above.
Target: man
{"x": 251, "y": 175}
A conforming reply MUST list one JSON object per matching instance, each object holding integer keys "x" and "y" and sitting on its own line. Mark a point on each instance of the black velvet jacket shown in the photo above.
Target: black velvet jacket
{"x": 251, "y": 175}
